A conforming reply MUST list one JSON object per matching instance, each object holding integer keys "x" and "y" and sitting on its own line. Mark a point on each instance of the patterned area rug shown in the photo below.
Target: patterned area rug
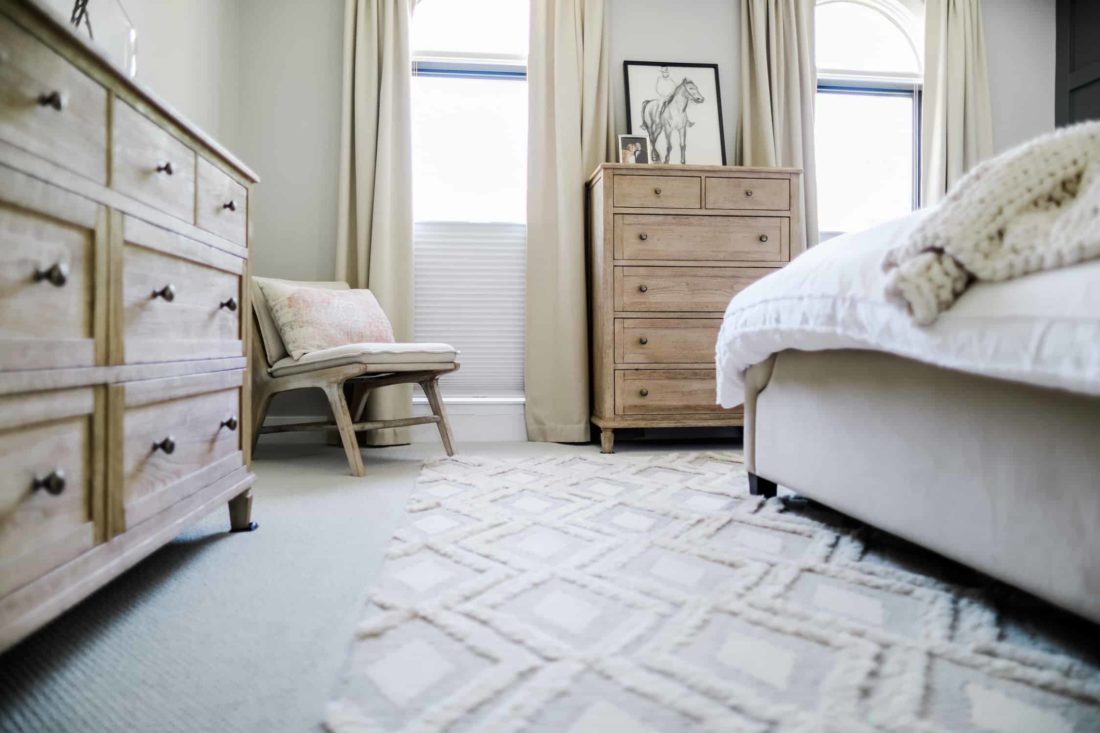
{"x": 597, "y": 594}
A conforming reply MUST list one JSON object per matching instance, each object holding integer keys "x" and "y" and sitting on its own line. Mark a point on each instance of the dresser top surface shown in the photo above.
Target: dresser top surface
{"x": 662, "y": 168}
{"x": 58, "y": 23}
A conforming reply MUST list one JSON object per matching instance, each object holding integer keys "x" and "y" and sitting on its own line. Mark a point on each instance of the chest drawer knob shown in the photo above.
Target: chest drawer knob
{"x": 166, "y": 168}
{"x": 643, "y": 288}
{"x": 231, "y": 205}
{"x": 643, "y": 340}
{"x": 657, "y": 191}
{"x": 168, "y": 293}
{"x": 56, "y": 275}
{"x": 643, "y": 392}
{"x": 52, "y": 483}
{"x": 643, "y": 236}
{"x": 763, "y": 237}
{"x": 230, "y": 305}
{"x": 748, "y": 192}
{"x": 53, "y": 99}
{"x": 168, "y": 445}
{"x": 230, "y": 423}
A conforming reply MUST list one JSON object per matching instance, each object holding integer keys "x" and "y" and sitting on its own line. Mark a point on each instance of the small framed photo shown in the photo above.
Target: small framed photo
{"x": 635, "y": 149}
{"x": 678, "y": 106}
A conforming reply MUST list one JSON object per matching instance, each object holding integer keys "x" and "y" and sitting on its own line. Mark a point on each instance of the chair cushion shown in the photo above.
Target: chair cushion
{"x": 392, "y": 357}
{"x": 315, "y": 319}
{"x": 274, "y": 347}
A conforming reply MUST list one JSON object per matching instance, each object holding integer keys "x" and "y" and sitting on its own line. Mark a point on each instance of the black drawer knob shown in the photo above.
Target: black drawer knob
{"x": 643, "y": 392}
{"x": 763, "y": 237}
{"x": 231, "y": 205}
{"x": 643, "y": 288}
{"x": 52, "y": 483}
{"x": 230, "y": 305}
{"x": 167, "y": 293}
{"x": 657, "y": 191}
{"x": 168, "y": 445}
{"x": 56, "y": 275}
{"x": 230, "y": 423}
{"x": 166, "y": 168}
{"x": 643, "y": 340}
{"x": 643, "y": 236}
{"x": 748, "y": 192}
{"x": 52, "y": 99}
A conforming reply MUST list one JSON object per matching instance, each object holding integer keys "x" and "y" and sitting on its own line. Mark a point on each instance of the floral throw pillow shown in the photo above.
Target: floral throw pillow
{"x": 314, "y": 319}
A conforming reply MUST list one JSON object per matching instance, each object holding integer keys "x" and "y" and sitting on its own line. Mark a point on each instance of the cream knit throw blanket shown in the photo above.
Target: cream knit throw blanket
{"x": 1035, "y": 207}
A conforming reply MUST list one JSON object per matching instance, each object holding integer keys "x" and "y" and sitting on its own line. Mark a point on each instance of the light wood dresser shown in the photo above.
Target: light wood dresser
{"x": 668, "y": 247}
{"x": 123, "y": 387}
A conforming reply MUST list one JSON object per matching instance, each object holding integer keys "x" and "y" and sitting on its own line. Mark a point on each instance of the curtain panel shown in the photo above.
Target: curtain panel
{"x": 570, "y": 132}
{"x": 956, "y": 119}
{"x": 374, "y": 246}
{"x": 778, "y": 88}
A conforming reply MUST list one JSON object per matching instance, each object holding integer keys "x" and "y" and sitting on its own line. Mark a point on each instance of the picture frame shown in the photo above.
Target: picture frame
{"x": 635, "y": 150}
{"x": 678, "y": 106}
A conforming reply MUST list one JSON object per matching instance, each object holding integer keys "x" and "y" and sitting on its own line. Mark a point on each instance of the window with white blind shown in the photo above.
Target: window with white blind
{"x": 469, "y": 137}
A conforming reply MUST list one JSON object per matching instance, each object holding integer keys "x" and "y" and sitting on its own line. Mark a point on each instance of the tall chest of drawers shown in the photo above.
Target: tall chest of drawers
{"x": 124, "y": 240}
{"x": 668, "y": 247}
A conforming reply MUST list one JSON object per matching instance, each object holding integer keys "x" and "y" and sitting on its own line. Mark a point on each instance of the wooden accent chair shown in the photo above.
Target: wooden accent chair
{"x": 363, "y": 366}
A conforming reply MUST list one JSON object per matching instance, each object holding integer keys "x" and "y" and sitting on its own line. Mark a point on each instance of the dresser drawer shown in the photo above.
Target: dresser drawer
{"x": 222, "y": 203}
{"x": 151, "y": 165}
{"x": 47, "y": 275}
{"x": 177, "y": 436}
{"x": 659, "y": 192}
{"x": 772, "y": 194}
{"x": 666, "y": 392}
{"x": 666, "y": 340}
{"x": 686, "y": 238}
{"x": 688, "y": 289}
{"x": 46, "y": 488}
{"x": 180, "y": 299}
{"x": 50, "y": 108}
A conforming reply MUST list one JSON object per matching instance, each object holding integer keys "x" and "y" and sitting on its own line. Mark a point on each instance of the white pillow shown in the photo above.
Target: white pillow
{"x": 315, "y": 319}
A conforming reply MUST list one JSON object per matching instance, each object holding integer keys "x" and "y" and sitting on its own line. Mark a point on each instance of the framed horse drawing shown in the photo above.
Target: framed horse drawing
{"x": 678, "y": 106}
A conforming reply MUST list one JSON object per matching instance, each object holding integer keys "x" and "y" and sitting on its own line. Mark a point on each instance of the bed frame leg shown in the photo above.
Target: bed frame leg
{"x": 760, "y": 486}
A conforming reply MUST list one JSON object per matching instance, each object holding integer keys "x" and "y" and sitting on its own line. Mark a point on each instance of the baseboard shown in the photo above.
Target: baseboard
{"x": 472, "y": 421}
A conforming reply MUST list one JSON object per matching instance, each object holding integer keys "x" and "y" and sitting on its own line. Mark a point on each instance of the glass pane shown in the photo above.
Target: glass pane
{"x": 469, "y": 138}
{"x": 470, "y": 27}
{"x": 853, "y": 37}
{"x": 864, "y": 159}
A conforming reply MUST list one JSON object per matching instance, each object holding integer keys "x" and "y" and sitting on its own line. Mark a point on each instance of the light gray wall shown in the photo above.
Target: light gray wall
{"x": 1019, "y": 37}
{"x": 700, "y": 31}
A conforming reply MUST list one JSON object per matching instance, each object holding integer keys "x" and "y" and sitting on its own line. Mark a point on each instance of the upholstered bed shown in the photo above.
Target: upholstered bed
{"x": 977, "y": 436}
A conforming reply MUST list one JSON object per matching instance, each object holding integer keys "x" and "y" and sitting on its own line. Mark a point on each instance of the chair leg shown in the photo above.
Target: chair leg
{"x": 339, "y": 405}
{"x": 260, "y": 403}
{"x": 431, "y": 389}
{"x": 361, "y": 393}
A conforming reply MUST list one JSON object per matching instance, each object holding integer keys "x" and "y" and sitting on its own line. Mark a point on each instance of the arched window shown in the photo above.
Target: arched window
{"x": 469, "y": 146}
{"x": 867, "y": 118}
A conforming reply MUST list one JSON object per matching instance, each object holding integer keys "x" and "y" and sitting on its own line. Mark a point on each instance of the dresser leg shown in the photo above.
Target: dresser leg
{"x": 607, "y": 440}
{"x": 240, "y": 513}
{"x": 760, "y": 486}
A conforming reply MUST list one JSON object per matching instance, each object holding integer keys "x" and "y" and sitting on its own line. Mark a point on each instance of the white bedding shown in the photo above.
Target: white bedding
{"x": 1041, "y": 329}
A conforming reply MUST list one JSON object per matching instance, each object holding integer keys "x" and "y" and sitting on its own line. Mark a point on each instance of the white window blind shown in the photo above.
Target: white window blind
{"x": 470, "y": 294}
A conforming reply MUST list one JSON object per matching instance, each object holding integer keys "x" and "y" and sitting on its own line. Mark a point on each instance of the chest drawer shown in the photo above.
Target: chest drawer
{"x": 46, "y": 487}
{"x": 50, "y": 108}
{"x": 666, "y": 340}
{"x": 658, "y": 192}
{"x": 687, "y": 238}
{"x": 771, "y": 194}
{"x": 151, "y": 165}
{"x": 666, "y": 392}
{"x": 222, "y": 203}
{"x": 177, "y": 436}
{"x": 688, "y": 289}
{"x": 47, "y": 275}
{"x": 180, "y": 299}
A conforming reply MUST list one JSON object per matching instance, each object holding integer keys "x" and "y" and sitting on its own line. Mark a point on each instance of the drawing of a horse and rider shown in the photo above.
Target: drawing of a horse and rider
{"x": 667, "y": 115}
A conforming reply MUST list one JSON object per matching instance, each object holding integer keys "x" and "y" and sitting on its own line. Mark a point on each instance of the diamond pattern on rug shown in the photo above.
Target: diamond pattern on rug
{"x": 598, "y": 594}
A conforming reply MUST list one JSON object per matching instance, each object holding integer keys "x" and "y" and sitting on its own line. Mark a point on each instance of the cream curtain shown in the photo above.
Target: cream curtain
{"x": 778, "y": 87}
{"x": 956, "y": 120}
{"x": 374, "y": 247}
{"x": 570, "y": 131}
